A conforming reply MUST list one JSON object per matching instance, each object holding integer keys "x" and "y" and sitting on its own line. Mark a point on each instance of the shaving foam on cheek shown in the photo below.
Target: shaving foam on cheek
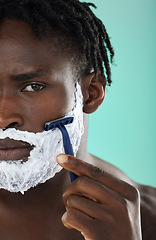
{"x": 19, "y": 176}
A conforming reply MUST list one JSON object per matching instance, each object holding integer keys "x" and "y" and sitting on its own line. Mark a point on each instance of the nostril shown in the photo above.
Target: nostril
{"x": 11, "y": 125}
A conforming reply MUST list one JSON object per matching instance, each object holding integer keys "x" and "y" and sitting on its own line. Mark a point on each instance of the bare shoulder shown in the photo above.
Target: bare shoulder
{"x": 147, "y": 198}
{"x": 113, "y": 170}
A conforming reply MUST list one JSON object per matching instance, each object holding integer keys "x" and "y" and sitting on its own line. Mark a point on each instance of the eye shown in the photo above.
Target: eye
{"x": 33, "y": 87}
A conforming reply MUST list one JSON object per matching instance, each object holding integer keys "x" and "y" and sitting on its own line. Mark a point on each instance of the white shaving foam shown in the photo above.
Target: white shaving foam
{"x": 19, "y": 176}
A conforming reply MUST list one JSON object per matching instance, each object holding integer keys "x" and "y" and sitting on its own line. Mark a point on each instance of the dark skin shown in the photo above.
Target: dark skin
{"x": 103, "y": 203}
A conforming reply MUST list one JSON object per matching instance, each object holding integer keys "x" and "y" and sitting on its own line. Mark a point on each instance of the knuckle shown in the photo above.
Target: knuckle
{"x": 71, "y": 200}
{"x": 70, "y": 214}
{"x": 65, "y": 197}
{"x": 82, "y": 180}
{"x": 95, "y": 172}
{"x": 67, "y": 217}
{"x": 75, "y": 163}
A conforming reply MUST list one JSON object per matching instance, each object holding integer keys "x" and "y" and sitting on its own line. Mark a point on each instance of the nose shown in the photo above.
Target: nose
{"x": 10, "y": 116}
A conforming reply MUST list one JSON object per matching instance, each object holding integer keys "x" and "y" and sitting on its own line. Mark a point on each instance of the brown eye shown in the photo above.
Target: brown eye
{"x": 33, "y": 88}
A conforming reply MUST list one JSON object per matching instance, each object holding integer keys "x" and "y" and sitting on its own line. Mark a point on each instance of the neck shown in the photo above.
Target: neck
{"x": 82, "y": 152}
{"x": 59, "y": 178}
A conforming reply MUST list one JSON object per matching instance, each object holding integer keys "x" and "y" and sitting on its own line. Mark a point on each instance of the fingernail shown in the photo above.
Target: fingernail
{"x": 62, "y": 158}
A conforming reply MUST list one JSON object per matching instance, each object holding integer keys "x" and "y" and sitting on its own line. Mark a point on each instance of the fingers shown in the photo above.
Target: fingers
{"x": 97, "y": 202}
{"x": 91, "y": 189}
{"x": 92, "y": 209}
{"x": 88, "y": 227}
{"x": 82, "y": 168}
{"x": 73, "y": 218}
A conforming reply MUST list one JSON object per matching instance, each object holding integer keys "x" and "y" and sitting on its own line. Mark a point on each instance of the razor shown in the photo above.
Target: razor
{"x": 68, "y": 149}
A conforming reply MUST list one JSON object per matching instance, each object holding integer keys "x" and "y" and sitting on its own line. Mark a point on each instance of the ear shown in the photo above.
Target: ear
{"x": 93, "y": 90}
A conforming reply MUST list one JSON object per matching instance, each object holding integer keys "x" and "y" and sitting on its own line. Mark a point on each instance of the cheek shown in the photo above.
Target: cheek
{"x": 47, "y": 107}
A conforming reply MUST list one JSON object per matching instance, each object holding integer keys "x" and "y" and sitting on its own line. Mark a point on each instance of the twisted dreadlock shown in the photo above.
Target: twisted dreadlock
{"x": 73, "y": 19}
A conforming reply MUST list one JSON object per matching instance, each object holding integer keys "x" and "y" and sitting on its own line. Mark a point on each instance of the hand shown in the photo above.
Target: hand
{"x": 99, "y": 205}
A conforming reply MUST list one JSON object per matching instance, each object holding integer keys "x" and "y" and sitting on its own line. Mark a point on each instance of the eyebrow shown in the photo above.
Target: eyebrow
{"x": 30, "y": 75}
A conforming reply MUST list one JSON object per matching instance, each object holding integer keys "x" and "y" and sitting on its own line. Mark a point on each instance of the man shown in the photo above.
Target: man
{"x": 48, "y": 48}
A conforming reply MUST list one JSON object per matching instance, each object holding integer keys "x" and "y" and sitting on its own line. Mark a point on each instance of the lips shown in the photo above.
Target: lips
{"x": 14, "y": 150}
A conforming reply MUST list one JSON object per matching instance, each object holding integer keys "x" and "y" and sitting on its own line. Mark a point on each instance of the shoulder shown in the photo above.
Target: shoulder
{"x": 147, "y": 198}
{"x": 111, "y": 169}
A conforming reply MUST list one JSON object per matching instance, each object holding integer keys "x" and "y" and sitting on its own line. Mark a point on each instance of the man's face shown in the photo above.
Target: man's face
{"x": 36, "y": 81}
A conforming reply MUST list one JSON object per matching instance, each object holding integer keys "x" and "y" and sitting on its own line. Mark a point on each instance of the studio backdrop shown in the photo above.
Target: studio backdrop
{"x": 123, "y": 130}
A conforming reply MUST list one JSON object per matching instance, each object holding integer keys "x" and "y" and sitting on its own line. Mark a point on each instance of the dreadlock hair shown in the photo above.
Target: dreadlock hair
{"x": 73, "y": 19}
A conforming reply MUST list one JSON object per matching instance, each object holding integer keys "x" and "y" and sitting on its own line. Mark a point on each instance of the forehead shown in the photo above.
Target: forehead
{"x": 20, "y": 48}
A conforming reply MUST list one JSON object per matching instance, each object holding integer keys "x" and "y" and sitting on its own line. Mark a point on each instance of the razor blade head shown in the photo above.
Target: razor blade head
{"x": 55, "y": 124}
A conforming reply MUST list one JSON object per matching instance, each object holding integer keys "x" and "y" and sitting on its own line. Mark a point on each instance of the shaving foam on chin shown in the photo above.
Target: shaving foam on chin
{"x": 19, "y": 176}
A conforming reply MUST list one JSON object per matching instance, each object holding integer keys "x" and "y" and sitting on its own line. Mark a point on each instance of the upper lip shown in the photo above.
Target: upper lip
{"x": 8, "y": 143}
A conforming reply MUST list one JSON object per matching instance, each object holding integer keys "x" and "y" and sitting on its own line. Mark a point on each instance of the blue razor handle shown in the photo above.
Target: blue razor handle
{"x": 66, "y": 139}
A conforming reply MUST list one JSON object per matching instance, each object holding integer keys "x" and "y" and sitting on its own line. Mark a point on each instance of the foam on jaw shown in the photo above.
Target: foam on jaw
{"x": 41, "y": 165}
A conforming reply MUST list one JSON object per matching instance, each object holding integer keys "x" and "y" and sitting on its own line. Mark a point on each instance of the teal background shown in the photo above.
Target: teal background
{"x": 123, "y": 130}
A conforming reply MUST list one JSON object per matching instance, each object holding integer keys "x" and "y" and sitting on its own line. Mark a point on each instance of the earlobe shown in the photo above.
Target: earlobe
{"x": 93, "y": 92}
